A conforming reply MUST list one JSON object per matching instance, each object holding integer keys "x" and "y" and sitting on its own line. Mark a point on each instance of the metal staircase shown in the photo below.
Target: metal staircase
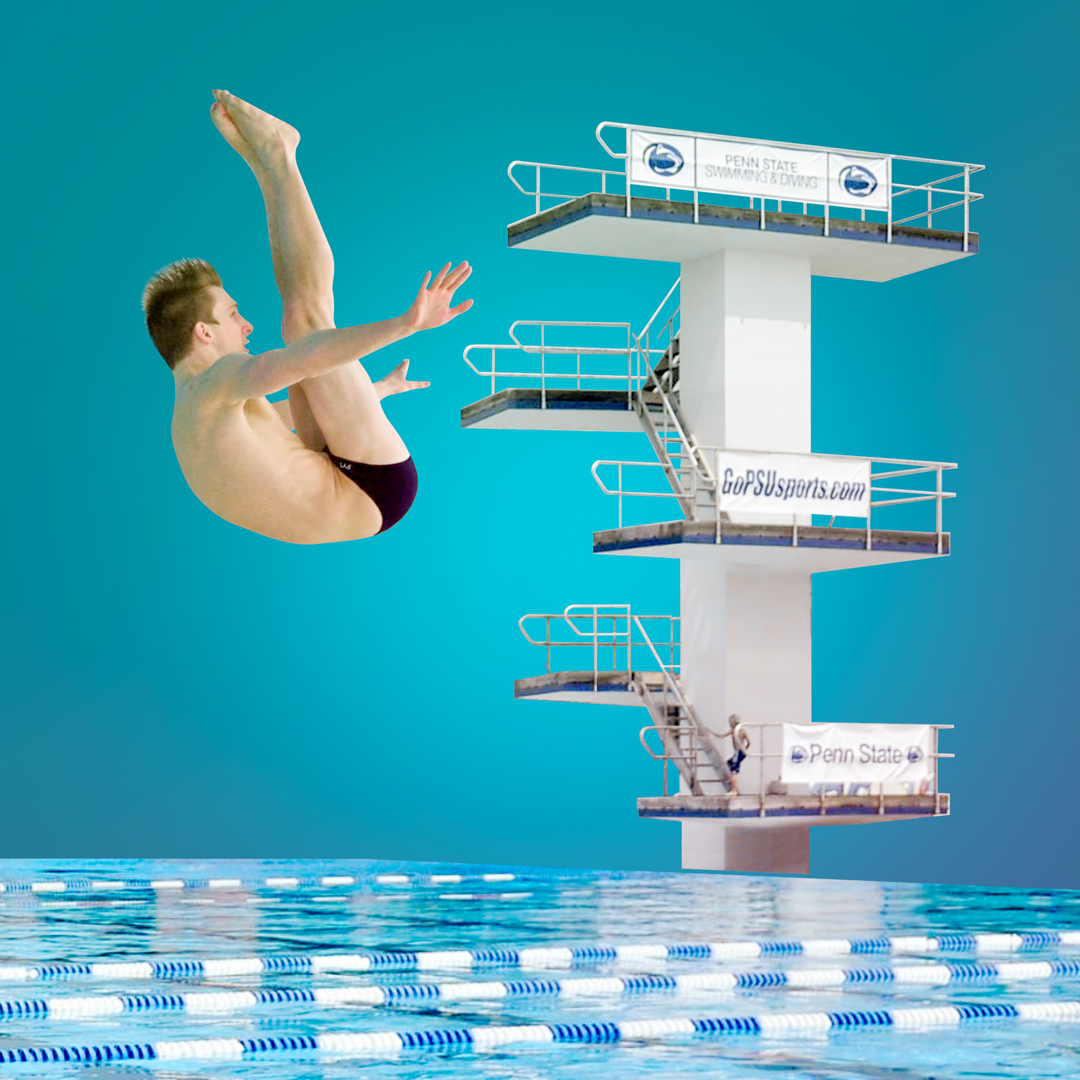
{"x": 685, "y": 467}
{"x": 683, "y": 738}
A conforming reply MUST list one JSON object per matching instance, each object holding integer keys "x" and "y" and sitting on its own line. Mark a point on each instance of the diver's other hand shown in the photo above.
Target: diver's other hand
{"x": 431, "y": 308}
{"x": 397, "y": 382}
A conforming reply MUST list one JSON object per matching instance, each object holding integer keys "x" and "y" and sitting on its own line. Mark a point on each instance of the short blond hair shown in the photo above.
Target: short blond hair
{"x": 174, "y": 300}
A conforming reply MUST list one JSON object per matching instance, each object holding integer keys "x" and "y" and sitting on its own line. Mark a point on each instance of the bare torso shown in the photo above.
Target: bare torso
{"x": 243, "y": 463}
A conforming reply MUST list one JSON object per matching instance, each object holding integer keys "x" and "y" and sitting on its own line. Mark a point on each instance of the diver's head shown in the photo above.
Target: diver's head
{"x": 187, "y": 309}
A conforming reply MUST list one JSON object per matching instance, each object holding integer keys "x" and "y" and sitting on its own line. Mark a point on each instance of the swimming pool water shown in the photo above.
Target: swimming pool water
{"x": 409, "y": 911}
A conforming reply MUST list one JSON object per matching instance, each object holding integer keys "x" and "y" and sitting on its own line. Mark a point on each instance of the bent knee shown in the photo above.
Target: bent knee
{"x": 301, "y": 319}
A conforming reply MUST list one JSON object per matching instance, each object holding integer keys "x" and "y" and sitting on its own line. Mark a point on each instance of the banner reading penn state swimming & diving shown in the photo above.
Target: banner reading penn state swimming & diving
{"x": 794, "y": 483}
{"x": 758, "y": 169}
{"x": 856, "y": 753}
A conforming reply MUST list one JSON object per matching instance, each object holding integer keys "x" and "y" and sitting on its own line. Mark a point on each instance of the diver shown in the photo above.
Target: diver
{"x": 326, "y": 465}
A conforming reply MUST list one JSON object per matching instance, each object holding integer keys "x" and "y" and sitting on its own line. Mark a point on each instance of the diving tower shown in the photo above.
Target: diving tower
{"x": 719, "y": 380}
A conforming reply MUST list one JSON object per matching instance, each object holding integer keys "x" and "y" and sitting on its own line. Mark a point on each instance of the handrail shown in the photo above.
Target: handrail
{"x": 659, "y": 308}
{"x": 561, "y": 322}
{"x": 604, "y": 174}
{"x": 597, "y": 638}
{"x": 698, "y": 731}
{"x": 896, "y": 187}
{"x": 632, "y": 378}
{"x": 912, "y": 495}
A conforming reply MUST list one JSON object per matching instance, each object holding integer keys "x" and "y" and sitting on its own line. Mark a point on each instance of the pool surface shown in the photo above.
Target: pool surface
{"x": 600, "y": 974}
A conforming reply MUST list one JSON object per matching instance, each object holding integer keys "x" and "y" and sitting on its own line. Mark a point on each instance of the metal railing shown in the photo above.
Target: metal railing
{"x": 604, "y": 629}
{"x": 954, "y": 197}
{"x": 701, "y": 486}
{"x": 637, "y": 358}
{"x": 676, "y": 448}
{"x": 638, "y": 351}
{"x": 612, "y": 633}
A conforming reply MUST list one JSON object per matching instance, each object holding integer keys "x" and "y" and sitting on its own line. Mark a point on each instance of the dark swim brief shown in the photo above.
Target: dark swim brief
{"x": 391, "y": 488}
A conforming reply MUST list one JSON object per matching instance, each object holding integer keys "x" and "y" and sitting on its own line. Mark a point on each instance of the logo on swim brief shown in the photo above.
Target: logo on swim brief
{"x": 858, "y": 180}
{"x": 344, "y": 464}
{"x": 663, "y": 158}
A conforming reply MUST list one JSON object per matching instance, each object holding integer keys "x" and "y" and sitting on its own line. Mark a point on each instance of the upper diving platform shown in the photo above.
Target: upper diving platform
{"x": 665, "y": 230}
{"x": 852, "y": 214}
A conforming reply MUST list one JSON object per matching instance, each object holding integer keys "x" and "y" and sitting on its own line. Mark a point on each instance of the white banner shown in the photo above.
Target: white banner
{"x": 859, "y": 181}
{"x": 794, "y": 484}
{"x": 758, "y": 169}
{"x": 664, "y": 160}
{"x": 857, "y": 753}
{"x": 739, "y": 168}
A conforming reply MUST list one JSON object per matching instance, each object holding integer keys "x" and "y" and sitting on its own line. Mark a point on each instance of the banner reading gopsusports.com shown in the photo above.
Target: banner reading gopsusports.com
{"x": 758, "y": 169}
{"x": 794, "y": 484}
{"x": 857, "y": 753}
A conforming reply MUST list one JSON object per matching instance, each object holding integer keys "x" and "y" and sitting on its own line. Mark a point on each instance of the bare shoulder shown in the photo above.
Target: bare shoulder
{"x": 215, "y": 388}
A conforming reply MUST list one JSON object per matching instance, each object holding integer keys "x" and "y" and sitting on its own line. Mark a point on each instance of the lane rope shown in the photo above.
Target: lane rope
{"x": 549, "y": 956}
{"x": 489, "y": 1037}
{"x": 222, "y": 1001}
{"x": 324, "y": 881}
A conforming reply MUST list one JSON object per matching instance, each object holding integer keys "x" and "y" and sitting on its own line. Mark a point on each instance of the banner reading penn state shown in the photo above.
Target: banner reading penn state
{"x": 856, "y": 753}
{"x": 794, "y": 484}
{"x": 758, "y": 169}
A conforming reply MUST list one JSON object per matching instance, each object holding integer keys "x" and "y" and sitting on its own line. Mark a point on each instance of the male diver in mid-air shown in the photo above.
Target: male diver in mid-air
{"x": 344, "y": 472}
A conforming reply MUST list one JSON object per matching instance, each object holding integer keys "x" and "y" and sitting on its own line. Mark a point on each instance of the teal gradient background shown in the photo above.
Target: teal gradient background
{"x": 175, "y": 686}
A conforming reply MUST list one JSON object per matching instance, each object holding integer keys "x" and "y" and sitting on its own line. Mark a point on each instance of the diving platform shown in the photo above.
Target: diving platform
{"x": 806, "y": 548}
{"x": 537, "y": 409}
{"x": 590, "y": 687}
{"x": 808, "y": 808}
{"x": 681, "y": 231}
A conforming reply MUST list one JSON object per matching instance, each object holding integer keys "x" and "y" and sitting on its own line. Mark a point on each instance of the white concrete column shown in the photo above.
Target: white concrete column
{"x": 746, "y": 649}
{"x": 748, "y": 849}
{"x": 745, "y": 350}
{"x": 746, "y": 646}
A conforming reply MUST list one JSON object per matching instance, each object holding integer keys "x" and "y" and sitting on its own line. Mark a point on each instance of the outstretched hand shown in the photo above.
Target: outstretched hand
{"x": 431, "y": 307}
{"x": 397, "y": 382}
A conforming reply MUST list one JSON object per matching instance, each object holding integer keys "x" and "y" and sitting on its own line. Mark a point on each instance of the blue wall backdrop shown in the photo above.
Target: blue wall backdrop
{"x": 173, "y": 685}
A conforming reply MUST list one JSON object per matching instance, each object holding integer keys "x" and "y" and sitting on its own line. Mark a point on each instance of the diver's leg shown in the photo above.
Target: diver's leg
{"x": 302, "y": 259}
{"x": 343, "y": 405}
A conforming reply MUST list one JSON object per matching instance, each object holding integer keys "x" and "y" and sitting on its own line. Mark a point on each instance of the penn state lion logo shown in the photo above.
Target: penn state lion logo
{"x": 858, "y": 180}
{"x": 663, "y": 158}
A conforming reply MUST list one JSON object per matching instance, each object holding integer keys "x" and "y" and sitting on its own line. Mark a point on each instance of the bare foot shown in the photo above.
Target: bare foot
{"x": 231, "y": 133}
{"x": 397, "y": 382}
{"x": 265, "y": 135}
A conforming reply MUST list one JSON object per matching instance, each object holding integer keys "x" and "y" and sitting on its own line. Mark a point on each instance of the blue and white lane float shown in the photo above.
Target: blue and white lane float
{"x": 223, "y": 1001}
{"x": 162, "y": 885}
{"x": 549, "y": 956}
{"x": 489, "y": 1037}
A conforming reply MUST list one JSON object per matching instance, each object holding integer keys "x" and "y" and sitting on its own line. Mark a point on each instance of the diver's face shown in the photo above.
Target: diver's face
{"x": 232, "y": 330}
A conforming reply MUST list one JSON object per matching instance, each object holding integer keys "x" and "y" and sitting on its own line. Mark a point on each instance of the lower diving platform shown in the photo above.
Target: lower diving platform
{"x": 810, "y": 808}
